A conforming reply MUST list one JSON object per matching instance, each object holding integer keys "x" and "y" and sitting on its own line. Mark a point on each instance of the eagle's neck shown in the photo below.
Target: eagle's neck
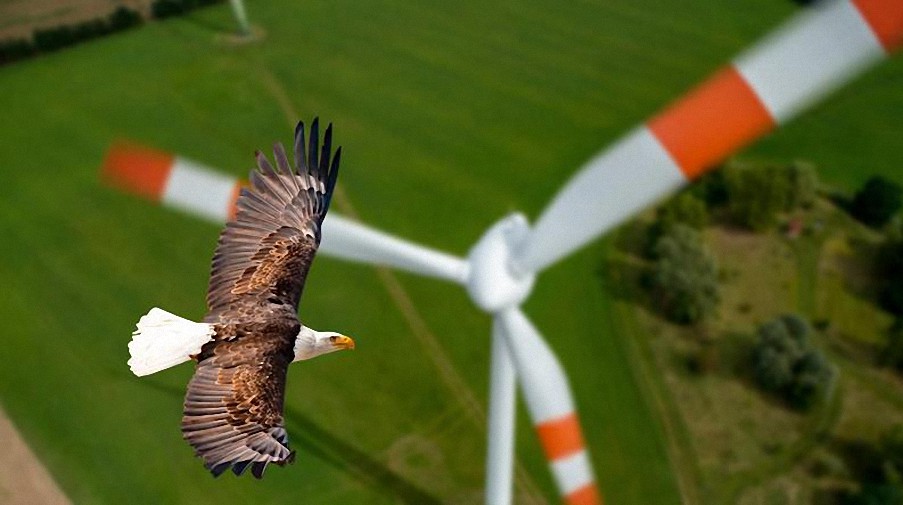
{"x": 306, "y": 344}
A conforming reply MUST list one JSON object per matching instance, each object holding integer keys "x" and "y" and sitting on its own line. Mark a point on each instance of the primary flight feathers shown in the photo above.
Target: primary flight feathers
{"x": 233, "y": 407}
{"x": 272, "y": 241}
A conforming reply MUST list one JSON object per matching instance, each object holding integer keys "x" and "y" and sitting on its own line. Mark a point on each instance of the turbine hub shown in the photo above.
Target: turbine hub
{"x": 493, "y": 282}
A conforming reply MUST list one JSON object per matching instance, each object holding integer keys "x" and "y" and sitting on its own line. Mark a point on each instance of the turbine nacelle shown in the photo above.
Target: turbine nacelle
{"x": 493, "y": 281}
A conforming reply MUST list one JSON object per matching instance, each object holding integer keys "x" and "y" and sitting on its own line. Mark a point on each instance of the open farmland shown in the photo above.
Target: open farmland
{"x": 452, "y": 115}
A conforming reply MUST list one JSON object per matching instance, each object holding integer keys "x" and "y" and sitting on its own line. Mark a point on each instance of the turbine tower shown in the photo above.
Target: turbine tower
{"x": 241, "y": 17}
{"x": 761, "y": 89}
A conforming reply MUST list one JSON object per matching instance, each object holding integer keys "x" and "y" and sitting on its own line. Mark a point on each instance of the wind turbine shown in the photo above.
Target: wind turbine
{"x": 241, "y": 17}
{"x": 762, "y": 88}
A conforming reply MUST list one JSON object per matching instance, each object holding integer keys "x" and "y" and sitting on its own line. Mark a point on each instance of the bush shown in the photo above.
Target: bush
{"x": 876, "y": 494}
{"x": 685, "y": 276}
{"x": 890, "y": 274}
{"x": 786, "y": 363}
{"x": 814, "y": 377}
{"x": 882, "y": 479}
{"x": 52, "y": 39}
{"x": 15, "y": 49}
{"x": 87, "y": 30}
{"x": 124, "y": 18}
{"x": 162, "y": 9}
{"x": 893, "y": 350}
{"x": 877, "y": 202}
{"x": 802, "y": 185}
{"x": 774, "y": 369}
{"x": 711, "y": 188}
{"x": 685, "y": 208}
{"x": 756, "y": 195}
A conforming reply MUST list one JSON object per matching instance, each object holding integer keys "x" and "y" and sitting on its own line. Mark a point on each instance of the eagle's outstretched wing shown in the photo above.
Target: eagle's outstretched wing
{"x": 267, "y": 249}
{"x": 233, "y": 408}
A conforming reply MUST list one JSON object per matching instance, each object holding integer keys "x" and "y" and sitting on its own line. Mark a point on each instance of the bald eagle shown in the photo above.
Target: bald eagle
{"x": 233, "y": 408}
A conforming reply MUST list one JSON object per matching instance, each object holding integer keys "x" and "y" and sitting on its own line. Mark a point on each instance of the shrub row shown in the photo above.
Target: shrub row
{"x": 162, "y": 9}
{"x": 46, "y": 40}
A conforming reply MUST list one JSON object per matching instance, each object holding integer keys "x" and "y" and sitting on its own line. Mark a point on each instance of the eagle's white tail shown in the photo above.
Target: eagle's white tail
{"x": 163, "y": 340}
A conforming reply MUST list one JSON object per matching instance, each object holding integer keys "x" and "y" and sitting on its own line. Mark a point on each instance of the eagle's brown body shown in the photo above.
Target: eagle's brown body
{"x": 233, "y": 407}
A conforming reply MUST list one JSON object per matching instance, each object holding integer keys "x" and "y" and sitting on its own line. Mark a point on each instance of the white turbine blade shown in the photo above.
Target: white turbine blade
{"x": 189, "y": 186}
{"x": 349, "y": 240}
{"x": 500, "y": 447}
{"x": 610, "y": 188}
{"x": 786, "y": 72}
{"x": 551, "y": 407}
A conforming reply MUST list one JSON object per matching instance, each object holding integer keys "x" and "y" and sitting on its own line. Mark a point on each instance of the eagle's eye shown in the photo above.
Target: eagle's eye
{"x": 333, "y": 338}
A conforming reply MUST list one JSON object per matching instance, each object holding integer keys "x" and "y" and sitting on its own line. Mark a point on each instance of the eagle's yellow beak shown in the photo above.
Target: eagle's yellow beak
{"x": 342, "y": 342}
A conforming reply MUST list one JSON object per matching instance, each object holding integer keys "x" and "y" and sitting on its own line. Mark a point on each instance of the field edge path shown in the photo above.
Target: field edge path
{"x": 23, "y": 478}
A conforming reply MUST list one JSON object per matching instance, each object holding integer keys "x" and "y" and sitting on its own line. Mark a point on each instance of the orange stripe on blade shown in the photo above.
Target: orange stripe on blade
{"x": 560, "y": 437}
{"x": 711, "y": 122}
{"x": 885, "y": 18}
{"x": 137, "y": 169}
{"x": 587, "y": 495}
{"x": 233, "y": 199}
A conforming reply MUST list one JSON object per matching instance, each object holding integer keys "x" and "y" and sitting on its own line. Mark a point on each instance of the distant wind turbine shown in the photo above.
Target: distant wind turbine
{"x": 238, "y": 8}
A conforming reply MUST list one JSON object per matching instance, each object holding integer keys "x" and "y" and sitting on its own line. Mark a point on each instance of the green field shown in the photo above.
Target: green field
{"x": 451, "y": 114}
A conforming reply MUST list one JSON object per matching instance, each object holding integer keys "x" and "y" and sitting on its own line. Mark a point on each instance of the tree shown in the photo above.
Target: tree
{"x": 877, "y": 201}
{"x": 782, "y": 342}
{"x": 876, "y": 494}
{"x": 685, "y": 276}
{"x": 813, "y": 377}
{"x": 890, "y": 274}
{"x": 711, "y": 188}
{"x": 882, "y": 484}
{"x": 786, "y": 363}
{"x": 162, "y": 9}
{"x": 123, "y": 18}
{"x": 756, "y": 194}
{"x": 52, "y": 39}
{"x": 893, "y": 350}
{"x": 891, "y": 447}
{"x": 15, "y": 49}
{"x": 685, "y": 208}
{"x": 802, "y": 185}
{"x": 773, "y": 369}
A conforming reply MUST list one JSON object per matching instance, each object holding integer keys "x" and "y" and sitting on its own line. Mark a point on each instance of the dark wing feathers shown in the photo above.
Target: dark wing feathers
{"x": 233, "y": 408}
{"x": 267, "y": 250}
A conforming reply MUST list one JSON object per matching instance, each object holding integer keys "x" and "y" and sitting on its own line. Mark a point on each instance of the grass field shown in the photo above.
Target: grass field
{"x": 452, "y": 115}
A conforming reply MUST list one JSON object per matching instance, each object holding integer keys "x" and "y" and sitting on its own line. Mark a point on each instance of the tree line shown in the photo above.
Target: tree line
{"x": 47, "y": 40}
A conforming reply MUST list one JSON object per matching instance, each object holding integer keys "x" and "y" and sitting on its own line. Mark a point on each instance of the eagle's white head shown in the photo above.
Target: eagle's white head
{"x": 311, "y": 343}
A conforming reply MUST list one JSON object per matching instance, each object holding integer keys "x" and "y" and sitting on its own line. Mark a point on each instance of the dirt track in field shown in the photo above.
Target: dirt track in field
{"x": 23, "y": 479}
